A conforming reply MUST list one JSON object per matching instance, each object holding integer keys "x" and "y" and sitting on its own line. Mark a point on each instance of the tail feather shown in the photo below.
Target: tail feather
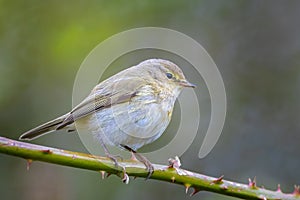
{"x": 44, "y": 128}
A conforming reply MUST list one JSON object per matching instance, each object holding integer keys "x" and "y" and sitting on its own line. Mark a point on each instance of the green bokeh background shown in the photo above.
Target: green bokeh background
{"x": 255, "y": 45}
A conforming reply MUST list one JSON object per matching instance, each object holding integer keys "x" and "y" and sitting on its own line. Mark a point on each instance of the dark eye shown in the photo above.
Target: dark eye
{"x": 169, "y": 75}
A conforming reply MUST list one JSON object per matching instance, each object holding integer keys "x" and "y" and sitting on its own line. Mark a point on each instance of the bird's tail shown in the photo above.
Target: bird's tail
{"x": 46, "y": 128}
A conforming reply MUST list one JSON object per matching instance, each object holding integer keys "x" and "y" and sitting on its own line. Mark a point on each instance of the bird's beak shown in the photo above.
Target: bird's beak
{"x": 185, "y": 83}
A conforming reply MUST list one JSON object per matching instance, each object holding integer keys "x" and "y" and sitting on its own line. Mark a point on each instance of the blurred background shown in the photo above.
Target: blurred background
{"x": 255, "y": 45}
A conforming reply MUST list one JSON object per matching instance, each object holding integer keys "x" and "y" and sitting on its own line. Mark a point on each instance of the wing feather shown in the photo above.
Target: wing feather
{"x": 104, "y": 96}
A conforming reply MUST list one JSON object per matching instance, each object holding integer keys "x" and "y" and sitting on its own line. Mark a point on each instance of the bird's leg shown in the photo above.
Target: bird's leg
{"x": 142, "y": 159}
{"x": 108, "y": 155}
{"x": 133, "y": 156}
{"x": 123, "y": 175}
{"x": 146, "y": 162}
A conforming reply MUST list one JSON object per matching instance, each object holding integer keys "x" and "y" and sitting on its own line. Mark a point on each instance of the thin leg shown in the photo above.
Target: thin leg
{"x": 124, "y": 176}
{"x": 133, "y": 156}
{"x": 146, "y": 162}
{"x": 108, "y": 155}
{"x": 142, "y": 159}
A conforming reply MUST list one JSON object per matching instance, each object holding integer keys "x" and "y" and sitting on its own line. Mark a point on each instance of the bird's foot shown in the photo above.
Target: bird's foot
{"x": 146, "y": 162}
{"x": 114, "y": 158}
{"x": 125, "y": 177}
{"x": 142, "y": 159}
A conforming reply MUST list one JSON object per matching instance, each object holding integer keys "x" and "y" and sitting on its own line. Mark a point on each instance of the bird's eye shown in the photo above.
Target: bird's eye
{"x": 169, "y": 75}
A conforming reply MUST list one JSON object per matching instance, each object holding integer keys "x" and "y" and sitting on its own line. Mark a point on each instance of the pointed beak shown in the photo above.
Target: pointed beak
{"x": 185, "y": 83}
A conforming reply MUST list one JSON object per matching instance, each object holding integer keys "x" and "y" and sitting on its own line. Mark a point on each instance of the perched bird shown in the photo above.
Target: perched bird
{"x": 129, "y": 110}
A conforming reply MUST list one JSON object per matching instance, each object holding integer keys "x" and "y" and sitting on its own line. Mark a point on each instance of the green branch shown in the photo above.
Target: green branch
{"x": 188, "y": 179}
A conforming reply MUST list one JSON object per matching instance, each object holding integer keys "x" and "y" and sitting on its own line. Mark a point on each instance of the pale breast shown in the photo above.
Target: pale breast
{"x": 134, "y": 124}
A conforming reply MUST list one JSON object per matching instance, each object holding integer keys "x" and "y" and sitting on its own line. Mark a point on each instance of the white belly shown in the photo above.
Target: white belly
{"x": 130, "y": 124}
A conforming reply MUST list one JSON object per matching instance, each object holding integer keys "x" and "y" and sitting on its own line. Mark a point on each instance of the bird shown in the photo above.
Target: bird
{"x": 128, "y": 110}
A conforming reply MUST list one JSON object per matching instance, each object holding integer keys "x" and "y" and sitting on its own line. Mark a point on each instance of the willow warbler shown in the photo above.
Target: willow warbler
{"x": 129, "y": 110}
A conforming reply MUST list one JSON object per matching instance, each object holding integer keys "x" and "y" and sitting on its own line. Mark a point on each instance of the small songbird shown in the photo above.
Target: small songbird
{"x": 129, "y": 110}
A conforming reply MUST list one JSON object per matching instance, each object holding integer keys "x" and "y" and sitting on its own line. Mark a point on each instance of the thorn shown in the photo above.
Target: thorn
{"x": 218, "y": 180}
{"x": 296, "y": 190}
{"x": 187, "y": 187}
{"x": 102, "y": 174}
{"x": 196, "y": 190}
{"x": 28, "y": 163}
{"x": 108, "y": 174}
{"x": 174, "y": 162}
{"x": 173, "y": 179}
{"x": 252, "y": 183}
{"x": 278, "y": 188}
{"x": 46, "y": 151}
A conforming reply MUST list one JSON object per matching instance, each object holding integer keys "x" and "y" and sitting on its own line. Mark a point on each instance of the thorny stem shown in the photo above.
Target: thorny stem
{"x": 188, "y": 179}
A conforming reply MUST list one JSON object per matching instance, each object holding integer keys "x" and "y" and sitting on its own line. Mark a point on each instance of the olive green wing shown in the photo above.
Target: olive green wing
{"x": 104, "y": 96}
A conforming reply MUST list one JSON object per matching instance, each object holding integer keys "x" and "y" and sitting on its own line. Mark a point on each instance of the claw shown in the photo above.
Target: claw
{"x": 125, "y": 178}
{"x": 146, "y": 162}
{"x": 114, "y": 158}
{"x": 150, "y": 169}
{"x": 142, "y": 159}
{"x": 110, "y": 156}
